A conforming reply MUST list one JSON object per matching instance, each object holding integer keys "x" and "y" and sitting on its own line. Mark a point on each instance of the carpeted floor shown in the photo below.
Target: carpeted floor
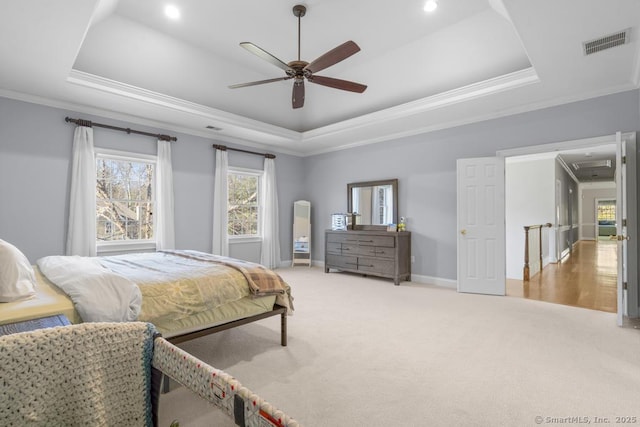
{"x": 363, "y": 352}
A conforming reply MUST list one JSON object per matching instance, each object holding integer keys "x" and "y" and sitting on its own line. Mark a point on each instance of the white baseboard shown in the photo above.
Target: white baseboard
{"x": 415, "y": 278}
{"x": 437, "y": 281}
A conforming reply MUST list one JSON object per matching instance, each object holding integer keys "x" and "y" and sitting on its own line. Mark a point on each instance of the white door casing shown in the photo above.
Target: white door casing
{"x": 621, "y": 228}
{"x": 481, "y": 226}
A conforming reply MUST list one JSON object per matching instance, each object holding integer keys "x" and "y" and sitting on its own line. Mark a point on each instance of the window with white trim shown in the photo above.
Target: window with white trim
{"x": 243, "y": 207}
{"x": 125, "y": 198}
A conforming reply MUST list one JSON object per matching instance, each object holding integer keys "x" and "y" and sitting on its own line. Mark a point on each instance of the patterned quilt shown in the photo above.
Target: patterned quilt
{"x": 172, "y": 284}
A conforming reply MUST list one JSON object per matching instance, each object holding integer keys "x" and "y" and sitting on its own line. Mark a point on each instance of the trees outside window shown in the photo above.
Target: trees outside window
{"x": 243, "y": 203}
{"x": 124, "y": 198}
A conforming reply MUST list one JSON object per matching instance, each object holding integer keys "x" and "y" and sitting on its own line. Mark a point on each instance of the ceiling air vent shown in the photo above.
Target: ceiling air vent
{"x": 606, "y": 42}
{"x": 592, "y": 164}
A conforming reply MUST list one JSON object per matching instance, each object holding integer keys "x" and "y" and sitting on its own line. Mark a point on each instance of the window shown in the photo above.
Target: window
{"x": 125, "y": 197}
{"x": 382, "y": 206}
{"x": 243, "y": 202}
{"x": 606, "y": 211}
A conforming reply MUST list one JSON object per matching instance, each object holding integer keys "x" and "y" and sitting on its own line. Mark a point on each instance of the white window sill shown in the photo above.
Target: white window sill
{"x": 112, "y": 248}
{"x": 249, "y": 239}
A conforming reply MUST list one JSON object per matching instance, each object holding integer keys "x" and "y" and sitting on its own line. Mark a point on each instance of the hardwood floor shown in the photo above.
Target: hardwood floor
{"x": 586, "y": 278}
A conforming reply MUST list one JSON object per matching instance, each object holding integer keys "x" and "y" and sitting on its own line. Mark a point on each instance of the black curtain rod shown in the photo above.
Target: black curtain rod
{"x": 225, "y": 148}
{"x": 89, "y": 123}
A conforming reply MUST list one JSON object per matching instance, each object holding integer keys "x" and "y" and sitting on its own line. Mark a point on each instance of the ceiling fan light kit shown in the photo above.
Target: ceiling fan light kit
{"x": 300, "y": 71}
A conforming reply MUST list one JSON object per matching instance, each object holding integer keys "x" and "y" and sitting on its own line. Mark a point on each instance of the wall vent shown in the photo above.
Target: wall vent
{"x": 592, "y": 164}
{"x": 606, "y": 42}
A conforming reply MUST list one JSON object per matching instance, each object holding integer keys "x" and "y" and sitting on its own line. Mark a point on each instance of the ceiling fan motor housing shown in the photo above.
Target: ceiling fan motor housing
{"x": 299, "y": 10}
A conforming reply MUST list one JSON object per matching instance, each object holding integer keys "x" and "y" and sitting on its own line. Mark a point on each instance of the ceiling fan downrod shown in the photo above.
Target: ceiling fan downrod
{"x": 299, "y": 11}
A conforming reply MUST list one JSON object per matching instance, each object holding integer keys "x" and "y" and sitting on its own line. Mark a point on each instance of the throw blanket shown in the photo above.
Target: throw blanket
{"x": 80, "y": 375}
{"x": 98, "y": 294}
{"x": 262, "y": 281}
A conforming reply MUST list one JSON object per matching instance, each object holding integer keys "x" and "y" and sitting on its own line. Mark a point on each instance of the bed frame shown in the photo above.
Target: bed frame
{"x": 277, "y": 309}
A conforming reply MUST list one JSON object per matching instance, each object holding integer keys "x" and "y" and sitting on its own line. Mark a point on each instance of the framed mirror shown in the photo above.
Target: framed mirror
{"x": 375, "y": 203}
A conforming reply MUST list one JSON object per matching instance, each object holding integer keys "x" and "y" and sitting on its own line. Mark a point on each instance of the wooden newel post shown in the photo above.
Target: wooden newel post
{"x": 525, "y": 273}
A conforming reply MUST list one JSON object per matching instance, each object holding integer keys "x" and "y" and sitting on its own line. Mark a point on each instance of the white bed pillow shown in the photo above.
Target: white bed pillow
{"x": 17, "y": 278}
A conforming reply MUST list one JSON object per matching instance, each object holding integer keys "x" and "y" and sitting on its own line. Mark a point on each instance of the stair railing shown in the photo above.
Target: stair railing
{"x": 535, "y": 244}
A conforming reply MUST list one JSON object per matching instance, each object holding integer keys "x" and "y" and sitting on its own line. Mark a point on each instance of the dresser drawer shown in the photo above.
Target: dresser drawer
{"x": 363, "y": 240}
{"x": 376, "y": 265}
{"x": 384, "y": 241}
{"x": 376, "y": 251}
{"x": 350, "y": 249}
{"x": 341, "y": 261}
{"x": 337, "y": 237}
{"x": 334, "y": 248}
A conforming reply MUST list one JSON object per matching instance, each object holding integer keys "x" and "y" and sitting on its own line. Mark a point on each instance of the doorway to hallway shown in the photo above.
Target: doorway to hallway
{"x": 585, "y": 278}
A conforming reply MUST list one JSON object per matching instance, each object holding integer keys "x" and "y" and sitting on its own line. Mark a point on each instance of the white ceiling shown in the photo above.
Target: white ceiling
{"x": 470, "y": 60}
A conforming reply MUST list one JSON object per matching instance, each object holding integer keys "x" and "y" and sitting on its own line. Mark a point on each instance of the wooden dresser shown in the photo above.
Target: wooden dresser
{"x": 375, "y": 253}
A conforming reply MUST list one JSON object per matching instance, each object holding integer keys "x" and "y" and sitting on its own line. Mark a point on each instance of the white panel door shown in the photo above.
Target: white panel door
{"x": 481, "y": 238}
{"x": 621, "y": 226}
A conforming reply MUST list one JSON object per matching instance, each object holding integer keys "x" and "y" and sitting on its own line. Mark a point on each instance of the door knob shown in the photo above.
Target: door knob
{"x": 463, "y": 232}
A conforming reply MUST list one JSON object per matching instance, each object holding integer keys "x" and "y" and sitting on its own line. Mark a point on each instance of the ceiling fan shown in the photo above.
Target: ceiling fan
{"x": 300, "y": 70}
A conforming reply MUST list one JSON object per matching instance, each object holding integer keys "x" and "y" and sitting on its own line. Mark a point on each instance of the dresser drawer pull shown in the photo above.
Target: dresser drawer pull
{"x": 365, "y": 241}
{"x": 351, "y": 263}
{"x": 364, "y": 265}
{"x": 346, "y": 249}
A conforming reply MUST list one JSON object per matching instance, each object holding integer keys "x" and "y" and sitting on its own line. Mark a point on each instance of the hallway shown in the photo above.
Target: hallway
{"x": 586, "y": 278}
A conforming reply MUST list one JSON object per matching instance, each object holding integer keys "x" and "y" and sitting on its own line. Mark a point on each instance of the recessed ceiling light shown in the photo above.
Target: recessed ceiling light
{"x": 430, "y": 5}
{"x": 171, "y": 11}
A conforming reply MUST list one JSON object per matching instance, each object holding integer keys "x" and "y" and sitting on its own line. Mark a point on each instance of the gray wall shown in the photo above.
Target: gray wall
{"x": 568, "y": 221}
{"x": 35, "y": 153}
{"x": 35, "y": 148}
{"x": 425, "y": 166}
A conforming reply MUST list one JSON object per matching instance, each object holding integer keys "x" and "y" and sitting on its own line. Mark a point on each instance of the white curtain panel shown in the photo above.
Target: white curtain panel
{"x": 81, "y": 235}
{"x": 270, "y": 253}
{"x": 220, "y": 200}
{"x": 164, "y": 218}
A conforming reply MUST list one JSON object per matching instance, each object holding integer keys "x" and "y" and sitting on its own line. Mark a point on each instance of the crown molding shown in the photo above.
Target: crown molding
{"x": 261, "y": 135}
{"x": 262, "y": 131}
{"x": 109, "y": 114}
{"x": 470, "y": 92}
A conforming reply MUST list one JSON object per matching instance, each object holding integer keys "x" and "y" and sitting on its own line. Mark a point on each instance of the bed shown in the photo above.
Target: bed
{"x": 185, "y": 294}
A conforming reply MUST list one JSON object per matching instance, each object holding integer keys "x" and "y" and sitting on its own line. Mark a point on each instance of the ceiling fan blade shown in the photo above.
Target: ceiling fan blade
{"x": 258, "y": 51}
{"x": 259, "y": 82}
{"x": 297, "y": 98}
{"x": 338, "y": 84}
{"x": 334, "y": 56}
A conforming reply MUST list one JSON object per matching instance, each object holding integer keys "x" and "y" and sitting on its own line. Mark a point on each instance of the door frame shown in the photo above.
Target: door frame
{"x": 569, "y": 145}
